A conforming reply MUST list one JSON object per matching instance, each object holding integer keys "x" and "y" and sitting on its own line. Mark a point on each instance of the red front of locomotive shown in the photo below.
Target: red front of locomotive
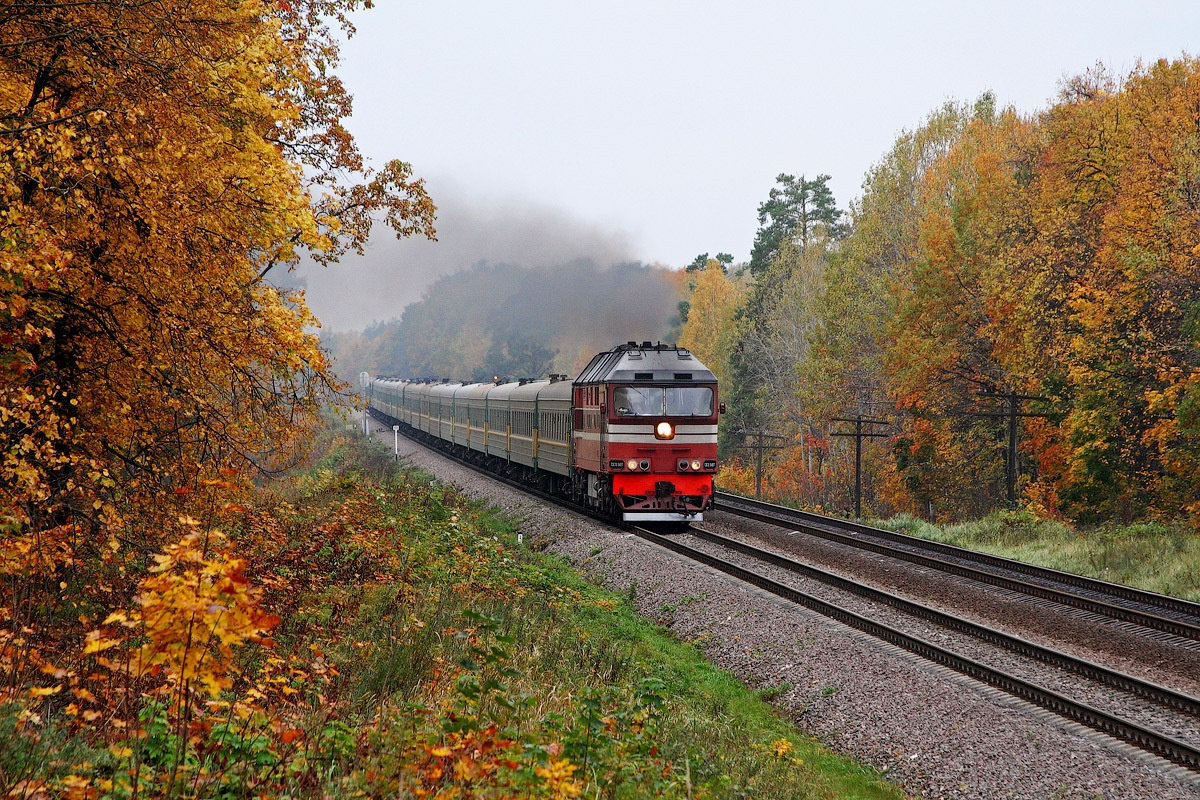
{"x": 646, "y": 433}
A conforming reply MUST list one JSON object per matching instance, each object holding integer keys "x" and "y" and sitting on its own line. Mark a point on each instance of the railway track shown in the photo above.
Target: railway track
{"x": 1142, "y": 736}
{"x": 1167, "y": 619}
{"x": 1138, "y": 734}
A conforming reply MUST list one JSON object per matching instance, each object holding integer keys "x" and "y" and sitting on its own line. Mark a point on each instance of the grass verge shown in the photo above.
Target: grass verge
{"x": 1156, "y": 557}
{"x": 495, "y": 670}
{"x": 419, "y": 653}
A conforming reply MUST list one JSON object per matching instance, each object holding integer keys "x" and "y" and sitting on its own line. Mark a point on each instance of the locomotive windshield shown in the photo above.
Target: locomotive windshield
{"x": 660, "y": 401}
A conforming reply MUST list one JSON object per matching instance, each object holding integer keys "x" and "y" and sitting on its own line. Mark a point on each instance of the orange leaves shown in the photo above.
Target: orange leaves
{"x": 97, "y": 642}
{"x": 193, "y": 610}
{"x": 557, "y": 775}
{"x": 38, "y": 552}
{"x": 464, "y": 763}
{"x": 1054, "y": 255}
{"x": 147, "y": 187}
{"x": 736, "y": 476}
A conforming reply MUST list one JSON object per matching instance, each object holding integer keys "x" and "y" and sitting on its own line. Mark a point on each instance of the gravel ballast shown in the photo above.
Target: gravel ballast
{"x": 936, "y": 733}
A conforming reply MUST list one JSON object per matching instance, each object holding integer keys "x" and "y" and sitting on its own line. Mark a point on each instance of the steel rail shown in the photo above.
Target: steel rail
{"x": 851, "y": 533}
{"x": 1141, "y": 737}
{"x": 1087, "y": 669}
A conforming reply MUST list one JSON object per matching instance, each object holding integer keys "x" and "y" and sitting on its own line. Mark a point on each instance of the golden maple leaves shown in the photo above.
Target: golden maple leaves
{"x": 156, "y": 162}
{"x": 194, "y": 608}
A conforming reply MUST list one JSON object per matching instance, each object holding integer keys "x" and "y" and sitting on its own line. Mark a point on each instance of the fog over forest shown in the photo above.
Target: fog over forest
{"x": 510, "y": 288}
{"x": 393, "y": 273}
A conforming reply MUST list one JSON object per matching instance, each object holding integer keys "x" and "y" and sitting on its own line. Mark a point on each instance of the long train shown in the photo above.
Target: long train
{"x": 633, "y": 436}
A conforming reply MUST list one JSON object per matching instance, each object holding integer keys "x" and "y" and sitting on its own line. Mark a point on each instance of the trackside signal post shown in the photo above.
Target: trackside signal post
{"x": 859, "y": 434}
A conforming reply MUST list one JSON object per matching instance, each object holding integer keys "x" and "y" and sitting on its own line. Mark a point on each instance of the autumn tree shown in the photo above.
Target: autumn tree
{"x": 945, "y": 357}
{"x": 159, "y": 161}
{"x": 872, "y": 267}
{"x": 844, "y": 374}
{"x": 1055, "y": 257}
{"x": 773, "y": 350}
{"x": 799, "y": 227}
{"x": 710, "y": 331}
{"x": 1123, "y": 162}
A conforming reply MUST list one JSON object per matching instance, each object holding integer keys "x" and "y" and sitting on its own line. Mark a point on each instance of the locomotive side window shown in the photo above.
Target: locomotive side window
{"x": 659, "y": 401}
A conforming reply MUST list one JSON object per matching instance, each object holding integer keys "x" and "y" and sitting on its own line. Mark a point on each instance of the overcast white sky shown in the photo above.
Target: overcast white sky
{"x": 661, "y": 125}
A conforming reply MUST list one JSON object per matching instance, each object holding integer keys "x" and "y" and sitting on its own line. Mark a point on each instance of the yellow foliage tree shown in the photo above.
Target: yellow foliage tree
{"x": 710, "y": 330}
{"x": 1126, "y": 159}
{"x": 1056, "y": 257}
{"x": 192, "y": 610}
{"x": 157, "y": 161}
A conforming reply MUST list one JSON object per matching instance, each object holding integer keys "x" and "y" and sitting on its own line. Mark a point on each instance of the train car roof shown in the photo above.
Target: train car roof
{"x": 528, "y": 390}
{"x": 633, "y": 363}
{"x": 444, "y": 389}
{"x": 555, "y": 390}
{"x": 502, "y": 391}
{"x": 475, "y": 391}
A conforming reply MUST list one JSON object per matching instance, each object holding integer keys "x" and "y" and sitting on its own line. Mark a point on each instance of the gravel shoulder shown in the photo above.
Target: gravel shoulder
{"x": 936, "y": 733}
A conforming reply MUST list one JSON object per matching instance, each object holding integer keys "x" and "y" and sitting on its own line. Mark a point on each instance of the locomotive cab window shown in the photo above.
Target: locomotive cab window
{"x": 660, "y": 401}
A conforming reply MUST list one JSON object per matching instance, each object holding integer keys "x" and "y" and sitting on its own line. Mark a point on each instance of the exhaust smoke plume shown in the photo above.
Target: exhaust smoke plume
{"x": 393, "y": 273}
{"x": 513, "y": 290}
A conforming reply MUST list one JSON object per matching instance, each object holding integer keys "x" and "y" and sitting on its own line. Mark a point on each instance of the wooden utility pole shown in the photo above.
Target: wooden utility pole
{"x": 859, "y": 434}
{"x": 760, "y": 445}
{"x": 1011, "y": 412}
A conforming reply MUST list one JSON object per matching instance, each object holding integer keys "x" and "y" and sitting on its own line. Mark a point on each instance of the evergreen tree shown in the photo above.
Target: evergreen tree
{"x": 797, "y": 210}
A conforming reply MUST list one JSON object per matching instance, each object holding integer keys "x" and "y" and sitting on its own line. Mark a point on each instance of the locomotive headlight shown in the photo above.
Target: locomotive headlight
{"x": 683, "y": 465}
{"x": 696, "y": 465}
{"x": 664, "y": 430}
{"x": 632, "y": 463}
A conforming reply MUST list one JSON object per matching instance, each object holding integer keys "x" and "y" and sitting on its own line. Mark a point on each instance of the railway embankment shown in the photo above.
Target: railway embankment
{"x": 470, "y": 659}
{"x": 1161, "y": 557}
{"x": 935, "y": 732}
{"x": 424, "y": 644}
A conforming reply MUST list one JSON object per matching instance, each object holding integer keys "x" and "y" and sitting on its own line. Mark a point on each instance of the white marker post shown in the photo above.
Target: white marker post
{"x": 396, "y": 433}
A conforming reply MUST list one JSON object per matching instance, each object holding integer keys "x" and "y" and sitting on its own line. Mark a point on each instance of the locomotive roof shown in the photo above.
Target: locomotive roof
{"x": 633, "y": 362}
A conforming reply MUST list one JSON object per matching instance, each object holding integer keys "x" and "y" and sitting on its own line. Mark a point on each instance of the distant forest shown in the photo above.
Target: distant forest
{"x": 508, "y": 321}
{"x": 1004, "y": 278}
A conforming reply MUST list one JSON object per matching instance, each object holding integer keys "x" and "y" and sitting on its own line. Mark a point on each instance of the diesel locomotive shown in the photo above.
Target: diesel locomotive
{"x": 633, "y": 436}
